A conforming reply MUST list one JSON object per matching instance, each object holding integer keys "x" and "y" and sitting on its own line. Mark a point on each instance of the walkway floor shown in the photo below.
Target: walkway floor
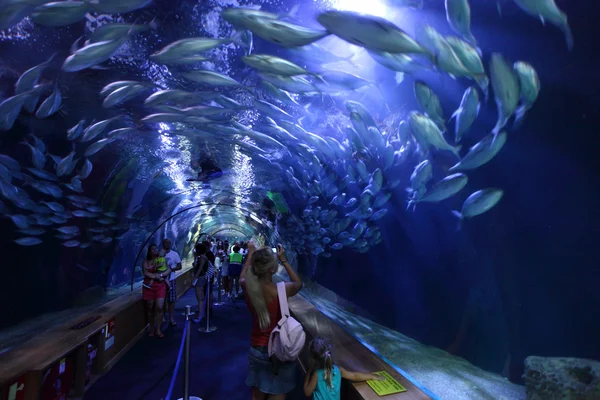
{"x": 218, "y": 363}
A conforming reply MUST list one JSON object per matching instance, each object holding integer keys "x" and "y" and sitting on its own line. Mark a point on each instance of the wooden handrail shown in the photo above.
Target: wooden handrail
{"x": 348, "y": 352}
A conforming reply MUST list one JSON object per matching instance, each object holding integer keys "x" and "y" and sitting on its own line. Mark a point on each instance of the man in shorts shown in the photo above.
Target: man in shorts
{"x": 173, "y": 261}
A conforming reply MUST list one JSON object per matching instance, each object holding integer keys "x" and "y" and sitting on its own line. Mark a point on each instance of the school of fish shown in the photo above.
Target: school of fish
{"x": 345, "y": 176}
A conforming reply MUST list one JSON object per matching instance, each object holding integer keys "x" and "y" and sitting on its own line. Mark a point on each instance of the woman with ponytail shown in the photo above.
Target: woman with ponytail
{"x": 323, "y": 379}
{"x": 269, "y": 379}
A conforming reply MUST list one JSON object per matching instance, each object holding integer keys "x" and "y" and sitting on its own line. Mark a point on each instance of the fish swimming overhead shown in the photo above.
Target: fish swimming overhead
{"x": 426, "y": 131}
{"x": 283, "y": 33}
{"x": 506, "y": 90}
{"x": 430, "y": 103}
{"x": 547, "y": 10}
{"x": 51, "y": 105}
{"x": 185, "y": 48}
{"x": 530, "y": 88}
{"x": 60, "y": 13}
{"x": 118, "y": 6}
{"x": 481, "y": 153}
{"x": 370, "y": 32}
{"x": 443, "y": 189}
{"x": 477, "y": 203}
{"x": 274, "y": 65}
{"x": 466, "y": 113}
{"x": 458, "y": 14}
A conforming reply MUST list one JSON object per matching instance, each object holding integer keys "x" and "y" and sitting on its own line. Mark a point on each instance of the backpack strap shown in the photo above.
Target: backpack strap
{"x": 283, "y": 303}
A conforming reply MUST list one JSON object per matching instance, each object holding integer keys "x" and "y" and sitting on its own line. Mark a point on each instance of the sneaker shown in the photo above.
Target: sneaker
{"x": 197, "y": 320}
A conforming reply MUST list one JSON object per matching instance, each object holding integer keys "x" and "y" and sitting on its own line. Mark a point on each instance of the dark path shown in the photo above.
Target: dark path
{"x": 218, "y": 362}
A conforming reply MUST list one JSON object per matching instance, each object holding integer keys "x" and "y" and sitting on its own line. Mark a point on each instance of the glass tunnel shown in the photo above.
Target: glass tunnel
{"x": 430, "y": 168}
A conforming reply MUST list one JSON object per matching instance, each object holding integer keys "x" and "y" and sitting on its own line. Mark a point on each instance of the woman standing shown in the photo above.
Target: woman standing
{"x": 154, "y": 289}
{"x": 263, "y": 302}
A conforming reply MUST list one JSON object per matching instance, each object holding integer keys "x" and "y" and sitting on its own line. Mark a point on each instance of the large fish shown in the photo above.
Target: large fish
{"x": 51, "y": 105}
{"x": 123, "y": 95}
{"x": 93, "y": 54}
{"x": 274, "y": 65}
{"x": 185, "y": 48}
{"x": 471, "y": 59}
{"x": 210, "y": 78}
{"x": 118, "y": 6}
{"x": 370, "y": 32}
{"x": 478, "y": 203}
{"x": 506, "y": 90}
{"x": 466, "y": 113}
{"x": 419, "y": 178}
{"x": 28, "y": 80}
{"x": 442, "y": 190}
{"x": 547, "y": 10}
{"x": 430, "y": 103}
{"x": 458, "y": 14}
{"x": 283, "y": 33}
{"x": 60, "y": 13}
{"x": 117, "y": 31}
{"x": 427, "y": 132}
{"x": 530, "y": 89}
{"x": 10, "y": 109}
{"x": 481, "y": 153}
{"x": 273, "y": 111}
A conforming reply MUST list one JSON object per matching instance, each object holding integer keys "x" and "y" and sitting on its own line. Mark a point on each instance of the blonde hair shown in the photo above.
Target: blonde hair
{"x": 320, "y": 357}
{"x": 262, "y": 261}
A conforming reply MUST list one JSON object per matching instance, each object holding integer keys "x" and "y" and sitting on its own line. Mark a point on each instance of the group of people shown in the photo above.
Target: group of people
{"x": 270, "y": 378}
{"x": 243, "y": 265}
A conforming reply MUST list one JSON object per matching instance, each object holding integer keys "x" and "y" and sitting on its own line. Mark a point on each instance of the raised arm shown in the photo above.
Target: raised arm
{"x": 293, "y": 287}
{"x": 251, "y": 249}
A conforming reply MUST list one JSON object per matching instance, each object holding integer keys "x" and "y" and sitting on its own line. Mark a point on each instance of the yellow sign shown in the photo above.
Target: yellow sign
{"x": 386, "y": 387}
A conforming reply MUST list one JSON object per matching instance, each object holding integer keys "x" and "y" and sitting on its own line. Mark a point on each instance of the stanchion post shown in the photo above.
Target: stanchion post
{"x": 186, "y": 366}
{"x": 186, "y": 358}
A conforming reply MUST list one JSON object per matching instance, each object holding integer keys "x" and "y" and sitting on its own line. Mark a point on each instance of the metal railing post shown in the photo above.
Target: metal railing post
{"x": 186, "y": 362}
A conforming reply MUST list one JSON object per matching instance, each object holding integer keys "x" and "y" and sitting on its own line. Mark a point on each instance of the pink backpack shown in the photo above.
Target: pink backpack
{"x": 288, "y": 337}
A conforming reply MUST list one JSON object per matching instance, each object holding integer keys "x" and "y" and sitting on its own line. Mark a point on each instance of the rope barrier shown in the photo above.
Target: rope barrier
{"x": 179, "y": 356}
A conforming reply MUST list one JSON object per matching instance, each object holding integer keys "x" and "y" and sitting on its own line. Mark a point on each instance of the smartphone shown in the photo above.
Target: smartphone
{"x": 274, "y": 250}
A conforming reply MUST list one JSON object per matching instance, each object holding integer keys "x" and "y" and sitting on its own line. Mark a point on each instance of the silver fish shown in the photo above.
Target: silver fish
{"x": 458, "y": 14}
{"x": 118, "y": 6}
{"x": 530, "y": 88}
{"x": 443, "y": 189}
{"x": 367, "y": 31}
{"x": 481, "y": 152}
{"x": 430, "y": 103}
{"x": 28, "y": 241}
{"x": 189, "y": 47}
{"x": 428, "y": 133}
{"x": 97, "y": 146}
{"x": 60, "y": 13}
{"x": 466, "y": 113}
{"x": 28, "y": 80}
{"x": 76, "y": 131}
{"x": 506, "y": 90}
{"x": 283, "y": 33}
{"x": 123, "y": 95}
{"x": 92, "y": 131}
{"x": 478, "y": 203}
{"x": 51, "y": 104}
{"x": 210, "y": 78}
{"x": 86, "y": 170}
{"x": 547, "y": 10}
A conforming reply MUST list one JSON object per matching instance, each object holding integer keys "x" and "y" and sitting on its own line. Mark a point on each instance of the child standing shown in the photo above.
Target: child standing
{"x": 323, "y": 380}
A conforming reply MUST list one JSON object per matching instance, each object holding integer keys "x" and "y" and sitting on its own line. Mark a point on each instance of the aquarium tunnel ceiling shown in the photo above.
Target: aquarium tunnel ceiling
{"x": 118, "y": 117}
